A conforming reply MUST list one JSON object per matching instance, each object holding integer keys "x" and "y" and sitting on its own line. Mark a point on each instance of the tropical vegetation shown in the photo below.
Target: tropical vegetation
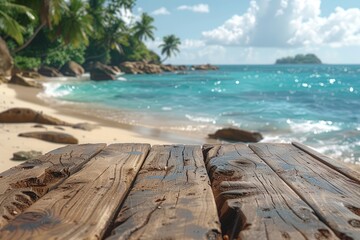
{"x": 52, "y": 32}
{"x": 300, "y": 59}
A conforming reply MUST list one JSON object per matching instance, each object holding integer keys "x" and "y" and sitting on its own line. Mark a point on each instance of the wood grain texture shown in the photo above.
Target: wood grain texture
{"x": 334, "y": 197}
{"x": 336, "y": 165}
{"x": 84, "y": 205}
{"x": 171, "y": 198}
{"x": 22, "y": 185}
{"x": 253, "y": 202}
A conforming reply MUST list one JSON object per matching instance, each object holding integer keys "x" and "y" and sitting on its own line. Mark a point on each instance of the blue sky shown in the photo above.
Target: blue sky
{"x": 257, "y": 31}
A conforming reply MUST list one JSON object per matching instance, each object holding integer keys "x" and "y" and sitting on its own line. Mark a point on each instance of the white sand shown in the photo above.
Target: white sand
{"x": 10, "y": 142}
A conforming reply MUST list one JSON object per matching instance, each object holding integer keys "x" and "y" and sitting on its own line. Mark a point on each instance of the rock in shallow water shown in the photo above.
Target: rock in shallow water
{"x": 236, "y": 135}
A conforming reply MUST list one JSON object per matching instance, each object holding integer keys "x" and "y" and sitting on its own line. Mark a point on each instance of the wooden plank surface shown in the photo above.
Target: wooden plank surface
{"x": 334, "y": 197}
{"x": 22, "y": 185}
{"x": 83, "y": 206}
{"x": 253, "y": 202}
{"x": 337, "y": 165}
{"x": 171, "y": 198}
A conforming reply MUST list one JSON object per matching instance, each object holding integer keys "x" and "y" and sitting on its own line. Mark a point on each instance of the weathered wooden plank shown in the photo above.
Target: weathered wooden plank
{"x": 85, "y": 204}
{"x": 22, "y": 185}
{"x": 334, "y": 197}
{"x": 337, "y": 165}
{"x": 253, "y": 202}
{"x": 171, "y": 198}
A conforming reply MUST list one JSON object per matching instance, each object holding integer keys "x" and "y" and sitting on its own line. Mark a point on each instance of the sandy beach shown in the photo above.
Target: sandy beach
{"x": 17, "y": 96}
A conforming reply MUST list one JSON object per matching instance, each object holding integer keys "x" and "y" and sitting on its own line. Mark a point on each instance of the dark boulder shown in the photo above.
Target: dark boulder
{"x": 100, "y": 72}
{"x": 25, "y": 115}
{"x": 236, "y": 135}
{"x": 54, "y": 137}
{"x": 49, "y": 72}
{"x": 72, "y": 69}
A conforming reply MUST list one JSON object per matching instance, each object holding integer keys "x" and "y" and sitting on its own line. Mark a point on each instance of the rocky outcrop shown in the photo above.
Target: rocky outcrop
{"x": 204, "y": 67}
{"x": 149, "y": 68}
{"x": 100, "y": 72}
{"x": 24, "y": 81}
{"x": 130, "y": 68}
{"x": 236, "y": 135}
{"x": 6, "y": 61}
{"x": 140, "y": 68}
{"x": 49, "y": 72}
{"x": 167, "y": 68}
{"x": 72, "y": 69}
{"x": 54, "y": 137}
{"x": 25, "y": 115}
{"x": 180, "y": 67}
{"x": 25, "y": 155}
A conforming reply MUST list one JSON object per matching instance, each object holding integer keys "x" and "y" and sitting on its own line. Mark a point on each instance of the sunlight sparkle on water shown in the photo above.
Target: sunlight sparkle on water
{"x": 332, "y": 81}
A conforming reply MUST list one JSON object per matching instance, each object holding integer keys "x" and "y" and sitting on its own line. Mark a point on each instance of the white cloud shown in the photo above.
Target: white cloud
{"x": 199, "y": 8}
{"x": 288, "y": 23}
{"x": 161, "y": 11}
{"x": 127, "y": 16}
{"x": 192, "y": 44}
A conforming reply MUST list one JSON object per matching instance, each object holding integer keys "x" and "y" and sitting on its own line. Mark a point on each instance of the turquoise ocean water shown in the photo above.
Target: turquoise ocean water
{"x": 318, "y": 105}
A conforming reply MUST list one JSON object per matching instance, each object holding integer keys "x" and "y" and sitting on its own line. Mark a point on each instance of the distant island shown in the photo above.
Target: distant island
{"x": 300, "y": 59}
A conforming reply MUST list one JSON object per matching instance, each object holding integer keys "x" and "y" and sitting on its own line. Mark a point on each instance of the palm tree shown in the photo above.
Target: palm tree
{"x": 170, "y": 46}
{"x": 8, "y": 24}
{"x": 49, "y": 13}
{"x": 144, "y": 28}
{"x": 76, "y": 24}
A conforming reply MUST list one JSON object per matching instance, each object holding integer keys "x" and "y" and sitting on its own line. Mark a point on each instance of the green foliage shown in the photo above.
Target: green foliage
{"x": 97, "y": 51}
{"x": 75, "y": 24}
{"x": 27, "y": 63}
{"x": 8, "y": 22}
{"x": 77, "y": 30}
{"x": 58, "y": 57}
{"x": 135, "y": 51}
{"x": 300, "y": 59}
{"x": 144, "y": 28}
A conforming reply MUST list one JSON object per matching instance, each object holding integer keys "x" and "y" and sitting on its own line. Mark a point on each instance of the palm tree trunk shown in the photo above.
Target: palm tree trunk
{"x": 164, "y": 59}
{"x": 30, "y": 39}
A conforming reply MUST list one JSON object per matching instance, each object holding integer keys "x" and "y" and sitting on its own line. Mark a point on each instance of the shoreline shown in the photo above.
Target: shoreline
{"x": 87, "y": 114}
{"x": 107, "y": 131}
